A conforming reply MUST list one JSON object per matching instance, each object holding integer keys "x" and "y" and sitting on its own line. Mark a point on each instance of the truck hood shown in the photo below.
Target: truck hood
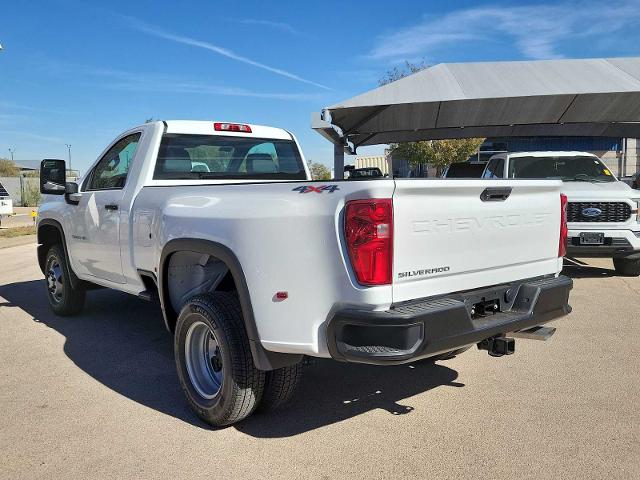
{"x": 598, "y": 191}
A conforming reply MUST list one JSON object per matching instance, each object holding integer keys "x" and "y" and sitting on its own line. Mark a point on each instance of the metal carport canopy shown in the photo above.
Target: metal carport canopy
{"x": 591, "y": 97}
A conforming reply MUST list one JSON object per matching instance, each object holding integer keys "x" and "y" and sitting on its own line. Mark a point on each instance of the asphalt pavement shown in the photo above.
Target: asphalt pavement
{"x": 97, "y": 396}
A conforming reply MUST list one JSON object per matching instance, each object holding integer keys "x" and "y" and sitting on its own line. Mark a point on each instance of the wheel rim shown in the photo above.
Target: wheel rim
{"x": 203, "y": 360}
{"x": 54, "y": 280}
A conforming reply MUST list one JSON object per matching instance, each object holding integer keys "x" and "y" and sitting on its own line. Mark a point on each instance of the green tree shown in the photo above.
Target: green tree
{"x": 8, "y": 168}
{"x": 31, "y": 194}
{"x": 319, "y": 171}
{"x": 398, "y": 73}
{"x": 438, "y": 153}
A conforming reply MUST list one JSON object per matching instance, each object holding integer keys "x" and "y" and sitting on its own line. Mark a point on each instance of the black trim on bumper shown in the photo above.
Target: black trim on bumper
{"x": 612, "y": 248}
{"x": 421, "y": 329}
{"x": 599, "y": 251}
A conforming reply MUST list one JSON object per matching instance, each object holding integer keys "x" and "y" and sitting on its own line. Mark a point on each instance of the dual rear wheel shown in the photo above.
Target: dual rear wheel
{"x": 215, "y": 365}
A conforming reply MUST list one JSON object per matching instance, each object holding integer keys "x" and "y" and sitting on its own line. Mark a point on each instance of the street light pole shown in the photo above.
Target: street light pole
{"x": 69, "y": 150}
{"x": 11, "y": 150}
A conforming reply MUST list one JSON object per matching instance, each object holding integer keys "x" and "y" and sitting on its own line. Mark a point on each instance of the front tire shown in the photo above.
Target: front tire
{"x": 214, "y": 361}
{"x": 63, "y": 298}
{"x": 627, "y": 266}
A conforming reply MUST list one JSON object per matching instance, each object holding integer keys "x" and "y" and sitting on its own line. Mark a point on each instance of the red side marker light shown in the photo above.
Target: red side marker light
{"x": 282, "y": 295}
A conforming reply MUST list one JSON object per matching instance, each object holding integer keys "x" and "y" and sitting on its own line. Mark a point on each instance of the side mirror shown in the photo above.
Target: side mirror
{"x": 73, "y": 195}
{"x": 53, "y": 177}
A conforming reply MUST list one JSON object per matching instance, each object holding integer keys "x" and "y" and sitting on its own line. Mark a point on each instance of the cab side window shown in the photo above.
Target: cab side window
{"x": 495, "y": 169}
{"x": 110, "y": 173}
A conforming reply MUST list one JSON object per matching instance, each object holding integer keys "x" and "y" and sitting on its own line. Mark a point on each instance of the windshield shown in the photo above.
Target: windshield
{"x": 183, "y": 157}
{"x": 568, "y": 169}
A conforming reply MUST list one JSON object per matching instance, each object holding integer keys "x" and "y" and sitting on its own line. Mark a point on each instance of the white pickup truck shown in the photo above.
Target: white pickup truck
{"x": 256, "y": 265}
{"x": 602, "y": 212}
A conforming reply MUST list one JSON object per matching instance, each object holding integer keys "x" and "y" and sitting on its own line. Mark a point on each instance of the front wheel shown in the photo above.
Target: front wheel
{"x": 63, "y": 298}
{"x": 214, "y": 361}
{"x": 627, "y": 266}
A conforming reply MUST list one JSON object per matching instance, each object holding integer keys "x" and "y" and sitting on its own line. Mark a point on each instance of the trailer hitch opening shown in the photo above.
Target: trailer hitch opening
{"x": 498, "y": 346}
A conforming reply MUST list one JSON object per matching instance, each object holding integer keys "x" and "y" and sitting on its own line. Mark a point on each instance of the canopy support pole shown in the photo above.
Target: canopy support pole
{"x": 338, "y": 162}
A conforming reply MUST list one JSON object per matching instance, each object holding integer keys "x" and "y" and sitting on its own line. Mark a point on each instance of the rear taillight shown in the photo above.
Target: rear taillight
{"x": 368, "y": 230}
{"x": 231, "y": 127}
{"x": 564, "y": 230}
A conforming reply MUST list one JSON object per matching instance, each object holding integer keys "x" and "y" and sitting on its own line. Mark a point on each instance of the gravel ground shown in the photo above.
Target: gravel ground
{"x": 96, "y": 396}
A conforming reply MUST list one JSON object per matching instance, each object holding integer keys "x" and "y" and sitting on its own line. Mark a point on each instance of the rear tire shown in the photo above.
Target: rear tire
{"x": 280, "y": 387}
{"x": 214, "y": 360}
{"x": 63, "y": 298}
{"x": 627, "y": 266}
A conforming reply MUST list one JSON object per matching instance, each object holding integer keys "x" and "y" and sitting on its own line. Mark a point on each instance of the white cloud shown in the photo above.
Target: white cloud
{"x": 284, "y": 27}
{"x": 29, "y": 108}
{"x": 164, "y": 83}
{"x": 29, "y": 135}
{"x": 158, "y": 32}
{"x": 536, "y": 30}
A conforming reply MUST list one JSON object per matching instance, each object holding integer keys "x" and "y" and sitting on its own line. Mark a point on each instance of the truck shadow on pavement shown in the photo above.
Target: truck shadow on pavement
{"x": 121, "y": 342}
{"x": 331, "y": 392}
{"x": 578, "y": 269}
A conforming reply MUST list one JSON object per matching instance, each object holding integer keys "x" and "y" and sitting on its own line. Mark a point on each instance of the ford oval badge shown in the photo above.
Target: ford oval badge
{"x": 591, "y": 212}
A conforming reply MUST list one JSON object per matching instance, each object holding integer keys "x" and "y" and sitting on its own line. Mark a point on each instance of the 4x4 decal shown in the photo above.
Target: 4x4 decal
{"x": 319, "y": 189}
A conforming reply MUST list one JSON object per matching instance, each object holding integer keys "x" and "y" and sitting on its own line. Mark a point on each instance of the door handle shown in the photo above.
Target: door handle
{"x": 111, "y": 206}
{"x": 492, "y": 194}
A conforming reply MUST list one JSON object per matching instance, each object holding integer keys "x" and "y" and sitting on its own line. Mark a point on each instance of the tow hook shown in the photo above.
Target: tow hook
{"x": 498, "y": 346}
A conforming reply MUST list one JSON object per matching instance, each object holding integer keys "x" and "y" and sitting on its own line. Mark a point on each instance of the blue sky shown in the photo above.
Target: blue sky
{"x": 80, "y": 72}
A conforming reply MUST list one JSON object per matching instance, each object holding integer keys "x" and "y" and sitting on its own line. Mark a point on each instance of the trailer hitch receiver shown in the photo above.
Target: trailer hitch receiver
{"x": 498, "y": 346}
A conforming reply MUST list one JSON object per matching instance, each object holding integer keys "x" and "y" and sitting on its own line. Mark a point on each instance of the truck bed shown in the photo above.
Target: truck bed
{"x": 289, "y": 236}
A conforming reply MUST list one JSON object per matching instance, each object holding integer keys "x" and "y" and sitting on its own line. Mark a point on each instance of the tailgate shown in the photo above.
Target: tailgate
{"x": 447, "y": 239}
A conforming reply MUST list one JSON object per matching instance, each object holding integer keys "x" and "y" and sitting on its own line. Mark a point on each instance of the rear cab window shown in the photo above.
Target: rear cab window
{"x": 189, "y": 157}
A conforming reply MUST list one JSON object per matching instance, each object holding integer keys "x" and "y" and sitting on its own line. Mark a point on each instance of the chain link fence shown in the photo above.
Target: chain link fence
{"x": 24, "y": 191}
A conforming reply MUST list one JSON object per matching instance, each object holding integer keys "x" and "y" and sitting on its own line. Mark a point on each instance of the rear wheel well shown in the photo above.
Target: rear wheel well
{"x": 188, "y": 273}
{"x": 219, "y": 270}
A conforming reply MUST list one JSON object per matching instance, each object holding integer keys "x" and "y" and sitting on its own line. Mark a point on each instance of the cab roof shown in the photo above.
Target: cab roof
{"x": 205, "y": 127}
{"x": 548, "y": 153}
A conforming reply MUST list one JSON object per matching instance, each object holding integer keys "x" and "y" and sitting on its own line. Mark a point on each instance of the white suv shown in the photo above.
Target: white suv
{"x": 602, "y": 212}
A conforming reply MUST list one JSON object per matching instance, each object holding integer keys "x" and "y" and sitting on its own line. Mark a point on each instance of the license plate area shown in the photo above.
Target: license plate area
{"x": 591, "y": 238}
{"x": 485, "y": 307}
